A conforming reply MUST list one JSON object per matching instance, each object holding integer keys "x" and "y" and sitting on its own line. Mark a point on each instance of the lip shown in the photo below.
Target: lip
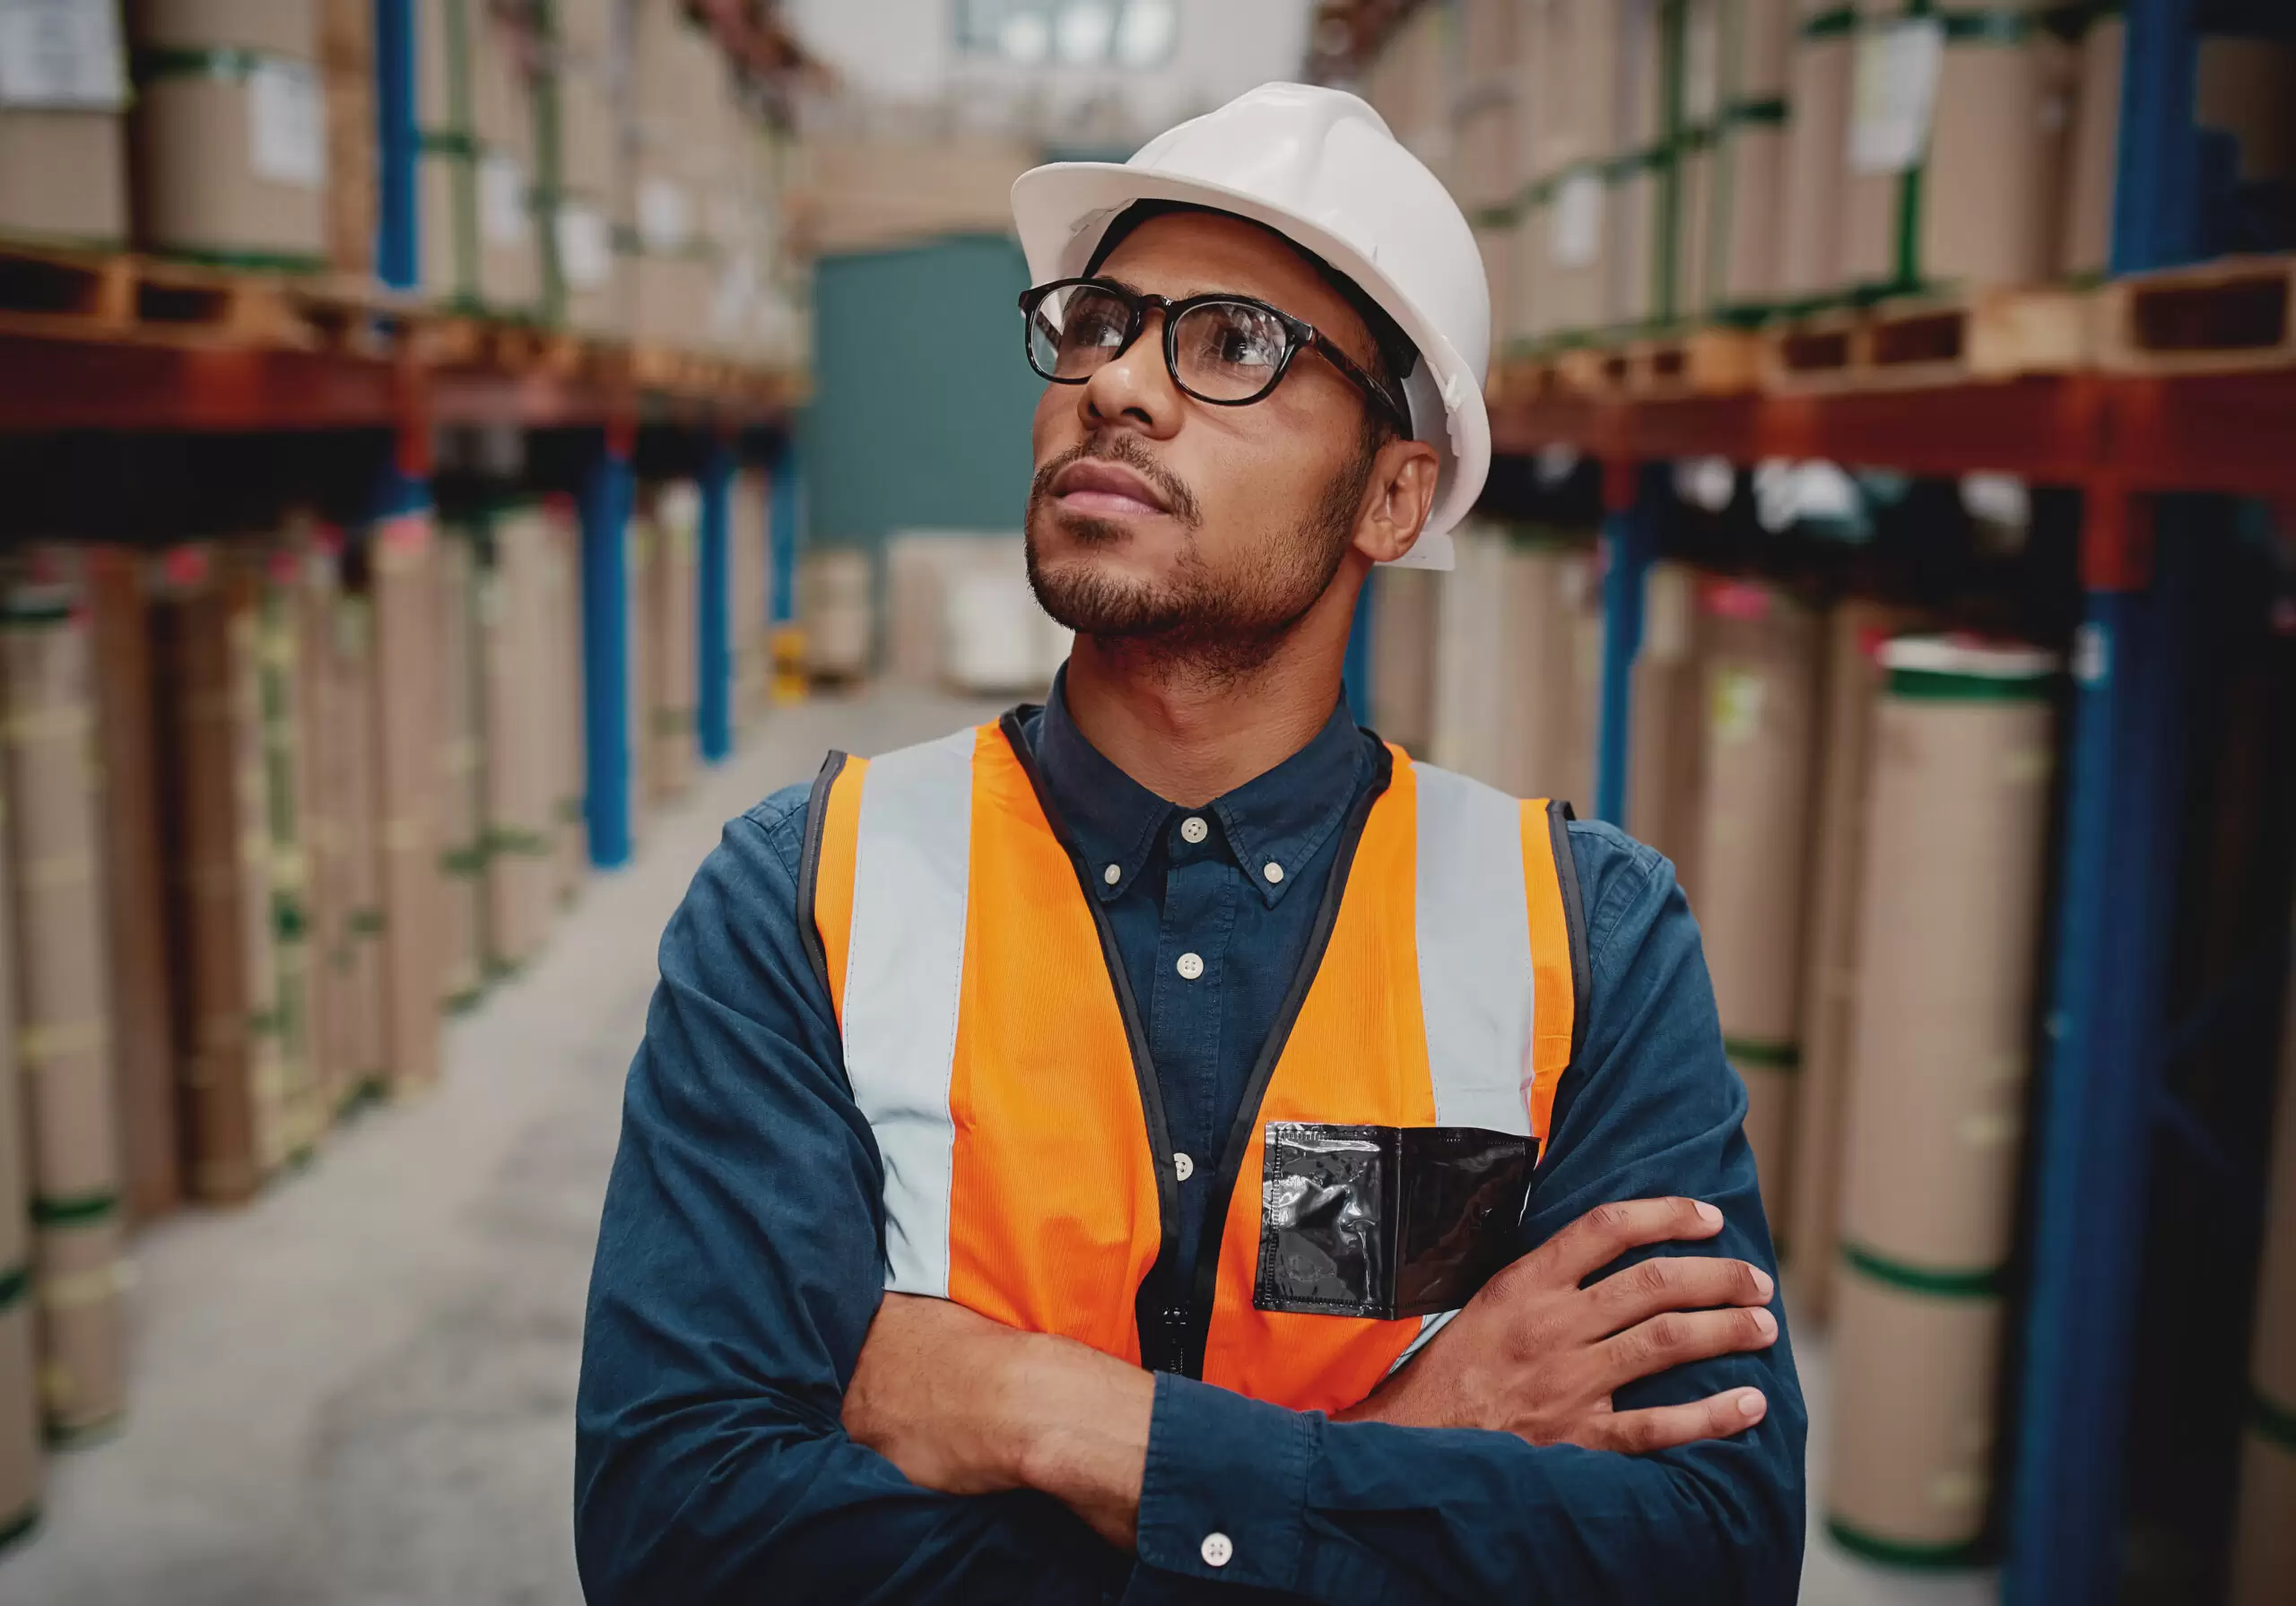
{"x": 1106, "y": 490}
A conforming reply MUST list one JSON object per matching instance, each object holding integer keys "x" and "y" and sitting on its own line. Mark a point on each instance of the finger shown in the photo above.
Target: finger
{"x": 1609, "y": 1231}
{"x": 1662, "y": 1427}
{"x": 1674, "y": 1282}
{"x": 1675, "y": 1338}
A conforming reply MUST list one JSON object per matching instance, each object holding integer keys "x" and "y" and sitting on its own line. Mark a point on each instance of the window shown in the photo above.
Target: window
{"x": 1070, "y": 33}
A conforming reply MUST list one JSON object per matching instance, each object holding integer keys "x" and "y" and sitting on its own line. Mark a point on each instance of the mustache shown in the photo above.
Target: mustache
{"x": 1122, "y": 447}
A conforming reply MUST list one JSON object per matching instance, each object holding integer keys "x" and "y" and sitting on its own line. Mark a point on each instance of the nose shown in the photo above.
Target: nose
{"x": 1134, "y": 386}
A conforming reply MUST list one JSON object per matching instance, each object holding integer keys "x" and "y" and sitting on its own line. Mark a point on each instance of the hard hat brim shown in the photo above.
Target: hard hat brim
{"x": 1061, "y": 210}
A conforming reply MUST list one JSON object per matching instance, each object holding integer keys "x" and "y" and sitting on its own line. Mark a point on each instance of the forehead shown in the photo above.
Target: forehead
{"x": 1202, "y": 253}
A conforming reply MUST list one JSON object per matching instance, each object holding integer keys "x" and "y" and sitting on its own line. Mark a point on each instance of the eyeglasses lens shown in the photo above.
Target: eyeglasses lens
{"x": 1076, "y": 329}
{"x": 1230, "y": 351}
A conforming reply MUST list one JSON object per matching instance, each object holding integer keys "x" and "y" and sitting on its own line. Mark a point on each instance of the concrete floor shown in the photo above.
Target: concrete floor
{"x": 359, "y": 1390}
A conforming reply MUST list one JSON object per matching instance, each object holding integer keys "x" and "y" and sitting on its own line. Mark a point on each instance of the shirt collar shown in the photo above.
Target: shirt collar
{"x": 1280, "y": 818}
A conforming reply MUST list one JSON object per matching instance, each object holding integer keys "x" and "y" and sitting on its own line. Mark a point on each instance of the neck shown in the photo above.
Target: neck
{"x": 1191, "y": 730}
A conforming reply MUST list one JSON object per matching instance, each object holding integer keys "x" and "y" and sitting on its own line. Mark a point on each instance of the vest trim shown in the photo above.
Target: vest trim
{"x": 1159, "y": 1310}
{"x": 1477, "y": 980}
{"x": 809, "y": 869}
{"x": 1559, "y": 816}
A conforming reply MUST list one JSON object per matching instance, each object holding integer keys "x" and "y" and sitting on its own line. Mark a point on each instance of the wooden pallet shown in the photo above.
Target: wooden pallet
{"x": 1988, "y": 334}
{"x": 121, "y": 296}
{"x": 2223, "y": 317}
{"x": 1701, "y": 362}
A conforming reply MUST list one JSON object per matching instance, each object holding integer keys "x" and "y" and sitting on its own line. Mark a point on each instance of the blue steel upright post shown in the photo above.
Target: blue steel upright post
{"x": 399, "y": 243}
{"x": 1635, "y": 502}
{"x": 607, "y": 495}
{"x": 715, "y": 716}
{"x": 2108, "y": 999}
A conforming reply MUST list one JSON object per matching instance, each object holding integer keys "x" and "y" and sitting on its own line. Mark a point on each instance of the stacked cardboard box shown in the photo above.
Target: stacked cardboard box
{"x": 63, "y": 130}
{"x": 1954, "y": 867}
{"x": 1666, "y": 764}
{"x": 474, "y": 107}
{"x": 578, "y": 137}
{"x": 562, "y": 671}
{"x": 402, "y": 568}
{"x": 672, "y": 595}
{"x": 305, "y": 1111}
{"x": 678, "y": 132}
{"x": 347, "y": 87}
{"x": 20, "y": 1413}
{"x": 230, "y": 132}
{"x": 460, "y": 822}
{"x": 520, "y": 731}
{"x": 61, "y": 994}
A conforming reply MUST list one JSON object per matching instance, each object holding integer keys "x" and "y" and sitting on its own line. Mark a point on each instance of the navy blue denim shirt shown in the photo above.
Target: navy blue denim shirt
{"x": 739, "y": 1264}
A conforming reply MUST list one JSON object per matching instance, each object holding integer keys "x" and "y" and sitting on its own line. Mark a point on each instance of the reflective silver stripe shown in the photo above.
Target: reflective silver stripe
{"x": 903, "y": 970}
{"x": 1429, "y": 1326}
{"x": 1476, "y": 979}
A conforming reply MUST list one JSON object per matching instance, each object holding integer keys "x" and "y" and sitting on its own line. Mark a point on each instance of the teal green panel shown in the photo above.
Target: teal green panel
{"x": 921, "y": 395}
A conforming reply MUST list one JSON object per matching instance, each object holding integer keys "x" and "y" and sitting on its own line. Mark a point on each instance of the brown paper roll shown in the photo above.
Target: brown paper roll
{"x": 288, "y": 28}
{"x": 461, "y": 822}
{"x": 644, "y": 667}
{"x": 20, "y": 1457}
{"x": 408, "y": 783}
{"x": 2094, "y": 154}
{"x": 1761, "y": 648}
{"x": 518, "y": 825}
{"x": 1809, "y": 252}
{"x": 1667, "y": 761}
{"x": 673, "y": 593}
{"x": 750, "y": 559}
{"x": 1749, "y": 185}
{"x": 567, "y": 672}
{"x": 1955, "y": 855}
{"x": 297, "y": 1005}
{"x": 1534, "y": 668}
{"x": 1471, "y": 633}
{"x": 63, "y": 177}
{"x": 1403, "y": 656}
{"x": 198, "y": 189}
{"x": 1855, "y": 631}
{"x": 1914, "y": 1387}
{"x": 134, "y": 881}
{"x": 82, "y": 1327}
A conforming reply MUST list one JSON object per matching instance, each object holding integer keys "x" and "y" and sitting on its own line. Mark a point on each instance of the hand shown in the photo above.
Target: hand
{"x": 969, "y": 1406}
{"x": 1536, "y": 1355}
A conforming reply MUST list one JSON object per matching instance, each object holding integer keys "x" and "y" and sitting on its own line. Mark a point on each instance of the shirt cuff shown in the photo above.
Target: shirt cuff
{"x": 1225, "y": 1496}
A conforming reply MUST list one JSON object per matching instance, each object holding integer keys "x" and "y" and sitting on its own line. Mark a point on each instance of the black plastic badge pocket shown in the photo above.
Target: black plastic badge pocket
{"x": 1385, "y": 1221}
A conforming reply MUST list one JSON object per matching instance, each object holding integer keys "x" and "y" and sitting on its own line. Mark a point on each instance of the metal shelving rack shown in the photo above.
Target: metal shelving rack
{"x": 2143, "y": 450}
{"x": 388, "y": 372}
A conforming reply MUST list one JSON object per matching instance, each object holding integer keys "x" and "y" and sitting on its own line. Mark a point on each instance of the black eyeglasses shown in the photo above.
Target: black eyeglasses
{"x": 1229, "y": 351}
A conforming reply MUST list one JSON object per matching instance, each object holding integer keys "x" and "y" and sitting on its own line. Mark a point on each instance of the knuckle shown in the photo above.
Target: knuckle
{"x": 1611, "y": 1219}
{"x": 1667, "y": 1333}
{"x": 1654, "y": 1278}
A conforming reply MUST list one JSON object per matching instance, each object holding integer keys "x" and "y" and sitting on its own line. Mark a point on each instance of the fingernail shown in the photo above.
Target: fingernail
{"x": 1763, "y": 1285}
{"x": 1709, "y": 1214}
{"x": 1765, "y": 1323}
{"x": 1750, "y": 1404}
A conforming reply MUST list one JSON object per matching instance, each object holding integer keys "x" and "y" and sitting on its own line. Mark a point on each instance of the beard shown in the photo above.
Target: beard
{"x": 1218, "y": 625}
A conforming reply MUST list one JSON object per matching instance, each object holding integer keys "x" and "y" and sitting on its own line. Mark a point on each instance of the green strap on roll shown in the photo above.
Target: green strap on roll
{"x": 2272, "y": 1421}
{"x": 15, "y": 1282}
{"x": 1762, "y": 1055}
{"x": 74, "y": 1210}
{"x": 14, "y": 1530}
{"x": 1899, "y": 1553}
{"x": 224, "y": 63}
{"x": 1838, "y": 23}
{"x": 1929, "y": 1282}
{"x": 1945, "y": 686}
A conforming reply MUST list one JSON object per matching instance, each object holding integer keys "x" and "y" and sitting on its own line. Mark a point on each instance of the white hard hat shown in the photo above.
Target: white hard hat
{"x": 1318, "y": 167}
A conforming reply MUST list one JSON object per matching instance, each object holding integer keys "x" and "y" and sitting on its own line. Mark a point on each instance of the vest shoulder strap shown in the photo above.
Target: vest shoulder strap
{"x": 825, "y": 870}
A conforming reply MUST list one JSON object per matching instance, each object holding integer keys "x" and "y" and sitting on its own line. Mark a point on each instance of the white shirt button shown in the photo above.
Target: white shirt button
{"x": 1274, "y": 873}
{"x": 1112, "y": 874}
{"x": 1217, "y": 1549}
{"x": 1182, "y": 1166}
{"x": 1190, "y": 967}
{"x": 1193, "y": 829}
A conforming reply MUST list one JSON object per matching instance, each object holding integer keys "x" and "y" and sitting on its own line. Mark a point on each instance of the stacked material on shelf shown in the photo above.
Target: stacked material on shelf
{"x": 305, "y": 1111}
{"x": 401, "y": 563}
{"x": 679, "y": 125}
{"x": 344, "y": 905}
{"x": 1410, "y": 83}
{"x": 1824, "y": 68}
{"x": 1486, "y": 160}
{"x": 61, "y": 984}
{"x": 1534, "y": 665}
{"x": 1953, "y": 872}
{"x": 461, "y": 816}
{"x": 1760, "y": 650}
{"x": 561, "y": 671}
{"x": 837, "y": 600}
{"x": 2085, "y": 231}
{"x": 1574, "y": 49}
{"x": 2264, "y": 1547}
{"x": 1746, "y": 174}
{"x": 1695, "y": 127}
{"x": 922, "y": 568}
{"x": 20, "y": 1465}
{"x": 640, "y": 662}
{"x": 1667, "y": 721}
{"x": 750, "y": 567}
{"x": 1855, "y": 631}
{"x": 229, "y": 132}
{"x": 1404, "y": 605}
{"x": 579, "y": 165}
{"x": 134, "y": 879}
{"x": 520, "y": 730}
{"x": 475, "y": 109}
{"x": 1956, "y": 151}
{"x": 220, "y": 866}
{"x": 2245, "y": 101}
{"x": 347, "y": 86}
{"x": 1640, "y": 174}
{"x": 1470, "y": 714}
{"x": 63, "y": 130}
{"x": 674, "y": 584}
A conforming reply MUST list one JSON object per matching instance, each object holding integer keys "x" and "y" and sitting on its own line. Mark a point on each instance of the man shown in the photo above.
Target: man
{"x": 1059, "y": 1154}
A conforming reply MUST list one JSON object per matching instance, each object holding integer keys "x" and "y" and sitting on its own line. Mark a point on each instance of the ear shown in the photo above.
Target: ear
{"x": 1397, "y": 499}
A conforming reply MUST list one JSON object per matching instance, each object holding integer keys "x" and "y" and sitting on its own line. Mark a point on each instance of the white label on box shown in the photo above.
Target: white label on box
{"x": 664, "y": 216}
{"x": 61, "y": 54}
{"x": 502, "y": 200}
{"x": 1575, "y": 228}
{"x": 585, "y": 249}
{"x": 1899, "y": 65}
{"x": 286, "y": 124}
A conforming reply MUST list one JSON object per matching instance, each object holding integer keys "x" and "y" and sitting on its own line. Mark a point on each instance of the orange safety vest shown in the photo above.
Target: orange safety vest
{"x": 992, "y": 1042}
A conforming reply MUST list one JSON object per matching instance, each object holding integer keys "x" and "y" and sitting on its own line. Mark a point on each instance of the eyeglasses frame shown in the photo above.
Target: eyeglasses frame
{"x": 1301, "y": 336}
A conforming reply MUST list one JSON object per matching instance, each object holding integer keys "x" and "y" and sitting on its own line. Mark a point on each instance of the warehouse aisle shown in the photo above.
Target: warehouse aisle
{"x": 359, "y": 1390}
